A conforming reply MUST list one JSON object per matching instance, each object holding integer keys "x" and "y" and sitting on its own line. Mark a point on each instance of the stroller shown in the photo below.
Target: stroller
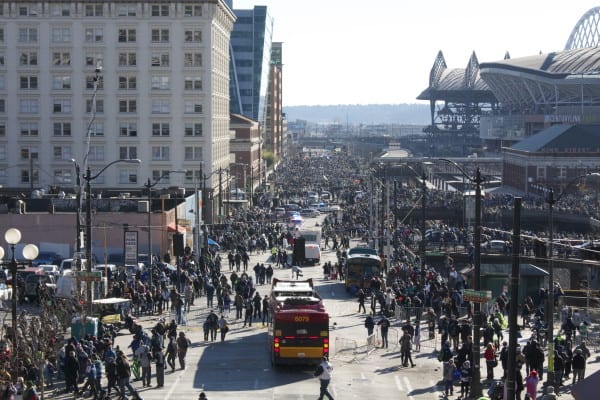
{"x": 496, "y": 390}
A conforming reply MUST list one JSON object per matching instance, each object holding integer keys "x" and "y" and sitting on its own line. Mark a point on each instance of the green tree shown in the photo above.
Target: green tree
{"x": 270, "y": 157}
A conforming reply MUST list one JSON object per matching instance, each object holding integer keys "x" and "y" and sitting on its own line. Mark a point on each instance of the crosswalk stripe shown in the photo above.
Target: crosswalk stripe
{"x": 398, "y": 383}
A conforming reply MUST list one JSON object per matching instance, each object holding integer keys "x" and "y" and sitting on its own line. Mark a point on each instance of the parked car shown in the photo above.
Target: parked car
{"x": 50, "y": 269}
{"x": 33, "y": 280}
{"x": 47, "y": 258}
{"x": 5, "y": 292}
{"x": 309, "y": 212}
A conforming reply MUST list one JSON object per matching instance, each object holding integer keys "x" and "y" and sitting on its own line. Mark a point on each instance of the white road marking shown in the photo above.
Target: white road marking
{"x": 398, "y": 383}
{"x": 174, "y": 385}
{"x": 408, "y": 388}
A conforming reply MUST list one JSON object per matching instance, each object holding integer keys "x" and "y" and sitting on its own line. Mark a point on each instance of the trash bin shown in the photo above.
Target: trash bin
{"x": 79, "y": 330}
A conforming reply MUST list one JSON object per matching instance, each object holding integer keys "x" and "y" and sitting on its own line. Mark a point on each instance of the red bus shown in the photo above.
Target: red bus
{"x": 298, "y": 335}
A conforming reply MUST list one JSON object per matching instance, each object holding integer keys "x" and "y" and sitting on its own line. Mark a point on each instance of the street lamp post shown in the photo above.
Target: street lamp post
{"x": 550, "y": 312}
{"x": 149, "y": 185}
{"x": 30, "y": 252}
{"x": 476, "y": 388}
{"x": 78, "y": 199}
{"x": 88, "y": 221}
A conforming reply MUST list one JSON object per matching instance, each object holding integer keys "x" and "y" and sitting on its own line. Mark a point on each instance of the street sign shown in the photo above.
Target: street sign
{"x": 89, "y": 276}
{"x": 477, "y": 296}
{"x": 131, "y": 247}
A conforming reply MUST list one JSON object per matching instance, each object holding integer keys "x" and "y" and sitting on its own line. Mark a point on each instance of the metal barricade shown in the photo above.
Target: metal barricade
{"x": 345, "y": 349}
{"x": 402, "y": 313}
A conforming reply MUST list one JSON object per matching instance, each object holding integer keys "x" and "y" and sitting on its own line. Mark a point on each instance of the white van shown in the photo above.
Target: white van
{"x": 66, "y": 285}
{"x": 312, "y": 253}
{"x": 69, "y": 264}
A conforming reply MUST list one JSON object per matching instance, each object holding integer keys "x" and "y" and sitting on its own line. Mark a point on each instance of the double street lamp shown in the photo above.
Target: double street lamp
{"x": 88, "y": 220}
{"x": 30, "y": 252}
{"x": 476, "y": 389}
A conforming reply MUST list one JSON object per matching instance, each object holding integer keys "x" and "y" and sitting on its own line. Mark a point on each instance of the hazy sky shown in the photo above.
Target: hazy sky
{"x": 381, "y": 51}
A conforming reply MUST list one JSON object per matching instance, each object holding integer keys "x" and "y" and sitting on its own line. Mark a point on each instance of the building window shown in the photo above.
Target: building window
{"x": 163, "y": 175}
{"x": 28, "y": 35}
{"x": 1, "y": 58}
{"x": 192, "y": 10}
{"x": 28, "y": 11}
{"x": 28, "y": 58}
{"x": 160, "y": 10}
{"x": 2, "y": 129}
{"x": 127, "y": 59}
{"x": 29, "y": 82}
{"x": 193, "y": 129}
{"x": 160, "y": 153}
{"x": 541, "y": 172}
{"x": 94, "y": 35}
{"x": 89, "y": 106}
{"x": 62, "y": 153}
{"x": 61, "y": 35}
{"x": 94, "y": 10}
{"x": 61, "y": 82}
{"x": 60, "y": 10}
{"x": 28, "y": 106}
{"x": 2, "y": 35}
{"x": 161, "y": 129}
{"x": 562, "y": 172}
{"x": 127, "y": 106}
{"x": 161, "y": 106}
{"x": 127, "y": 35}
{"x": 193, "y": 176}
{"x": 61, "y": 58}
{"x": 28, "y": 152}
{"x": 2, "y": 82}
{"x": 30, "y": 129}
{"x": 2, "y": 106}
{"x": 97, "y": 129}
{"x": 126, "y": 10}
{"x": 128, "y": 129}
{"x": 96, "y": 153}
{"x": 160, "y": 36}
{"x": 127, "y": 152}
{"x": 62, "y": 128}
{"x": 94, "y": 59}
{"x": 161, "y": 83}
{"x": 192, "y": 153}
{"x": 192, "y": 59}
{"x": 25, "y": 176}
{"x": 192, "y": 107}
{"x": 160, "y": 59}
{"x": 128, "y": 176}
{"x": 127, "y": 82}
{"x": 90, "y": 80}
{"x": 193, "y": 36}
{"x": 61, "y": 106}
{"x": 192, "y": 83}
{"x": 62, "y": 176}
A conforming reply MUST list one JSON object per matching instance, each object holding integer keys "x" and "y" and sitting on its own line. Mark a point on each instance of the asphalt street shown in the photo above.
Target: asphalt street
{"x": 239, "y": 368}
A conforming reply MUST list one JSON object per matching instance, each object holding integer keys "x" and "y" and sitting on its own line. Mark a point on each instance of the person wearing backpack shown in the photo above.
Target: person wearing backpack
{"x": 323, "y": 372}
{"x": 369, "y": 324}
{"x": 171, "y": 353}
{"x": 384, "y": 325}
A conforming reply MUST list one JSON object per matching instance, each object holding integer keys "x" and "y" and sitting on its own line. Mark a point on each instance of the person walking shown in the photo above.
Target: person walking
{"x": 171, "y": 353}
{"x": 465, "y": 379}
{"x": 144, "y": 356}
{"x": 531, "y": 383}
{"x": 124, "y": 376}
{"x": 361, "y": 301}
{"x": 160, "y": 368}
{"x": 405, "y": 349}
{"x": 182, "y": 346}
{"x": 369, "y": 324}
{"x": 223, "y": 327}
{"x": 323, "y": 372}
{"x": 449, "y": 370}
{"x": 384, "y": 325}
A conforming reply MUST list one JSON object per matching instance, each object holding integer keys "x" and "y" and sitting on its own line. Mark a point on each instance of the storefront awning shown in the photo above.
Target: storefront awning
{"x": 171, "y": 228}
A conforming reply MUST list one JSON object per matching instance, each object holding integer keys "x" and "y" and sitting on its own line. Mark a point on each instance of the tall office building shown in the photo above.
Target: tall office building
{"x": 250, "y": 58}
{"x": 162, "y": 94}
{"x": 274, "y": 133}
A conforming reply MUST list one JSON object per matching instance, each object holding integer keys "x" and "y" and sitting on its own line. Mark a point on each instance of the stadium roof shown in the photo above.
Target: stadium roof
{"x": 563, "y": 78}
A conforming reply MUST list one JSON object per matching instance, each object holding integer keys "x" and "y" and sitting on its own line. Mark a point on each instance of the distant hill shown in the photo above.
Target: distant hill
{"x": 368, "y": 114}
